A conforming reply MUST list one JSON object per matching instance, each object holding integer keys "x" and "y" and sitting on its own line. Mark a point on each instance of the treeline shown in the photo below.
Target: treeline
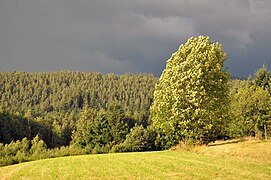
{"x": 50, "y": 104}
{"x": 29, "y": 150}
{"x": 250, "y": 106}
{"x": 81, "y": 113}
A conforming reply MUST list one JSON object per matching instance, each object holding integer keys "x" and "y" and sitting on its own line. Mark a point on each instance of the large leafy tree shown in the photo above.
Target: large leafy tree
{"x": 191, "y": 97}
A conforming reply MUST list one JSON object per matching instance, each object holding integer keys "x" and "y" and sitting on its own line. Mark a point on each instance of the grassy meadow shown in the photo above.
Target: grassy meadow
{"x": 250, "y": 159}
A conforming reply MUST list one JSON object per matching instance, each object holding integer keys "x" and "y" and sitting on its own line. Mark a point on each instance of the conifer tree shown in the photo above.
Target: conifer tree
{"x": 263, "y": 78}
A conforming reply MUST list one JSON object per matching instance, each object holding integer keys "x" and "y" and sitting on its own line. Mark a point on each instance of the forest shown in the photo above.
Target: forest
{"x": 66, "y": 113}
{"x": 96, "y": 113}
{"x": 92, "y": 110}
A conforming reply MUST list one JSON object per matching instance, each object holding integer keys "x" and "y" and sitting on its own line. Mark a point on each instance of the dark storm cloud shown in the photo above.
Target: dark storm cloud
{"x": 121, "y": 35}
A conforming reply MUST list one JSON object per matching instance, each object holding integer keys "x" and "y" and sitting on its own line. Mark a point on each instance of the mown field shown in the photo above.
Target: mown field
{"x": 249, "y": 159}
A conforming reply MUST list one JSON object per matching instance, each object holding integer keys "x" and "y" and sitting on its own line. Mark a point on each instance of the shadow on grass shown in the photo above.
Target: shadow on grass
{"x": 221, "y": 142}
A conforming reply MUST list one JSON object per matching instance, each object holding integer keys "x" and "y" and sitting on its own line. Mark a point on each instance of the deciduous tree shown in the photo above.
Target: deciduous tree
{"x": 191, "y": 97}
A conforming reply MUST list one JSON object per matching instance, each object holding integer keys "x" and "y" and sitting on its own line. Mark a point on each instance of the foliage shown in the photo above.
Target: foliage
{"x": 191, "y": 97}
{"x": 38, "y": 147}
{"x": 251, "y": 105}
{"x": 50, "y": 104}
{"x": 263, "y": 78}
{"x": 12, "y": 127}
{"x": 88, "y": 112}
{"x": 98, "y": 131}
{"x": 25, "y": 150}
{"x": 250, "y": 111}
{"x": 139, "y": 139}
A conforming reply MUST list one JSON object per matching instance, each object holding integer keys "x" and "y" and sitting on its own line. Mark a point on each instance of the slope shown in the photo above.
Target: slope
{"x": 199, "y": 163}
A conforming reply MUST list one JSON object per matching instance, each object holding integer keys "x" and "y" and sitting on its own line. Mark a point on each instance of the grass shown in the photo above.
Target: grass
{"x": 233, "y": 160}
{"x": 243, "y": 149}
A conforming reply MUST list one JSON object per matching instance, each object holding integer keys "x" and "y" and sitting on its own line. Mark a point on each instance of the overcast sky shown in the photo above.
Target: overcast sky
{"x": 129, "y": 36}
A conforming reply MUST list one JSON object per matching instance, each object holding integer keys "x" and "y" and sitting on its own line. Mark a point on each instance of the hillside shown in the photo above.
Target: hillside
{"x": 50, "y": 104}
{"x": 230, "y": 160}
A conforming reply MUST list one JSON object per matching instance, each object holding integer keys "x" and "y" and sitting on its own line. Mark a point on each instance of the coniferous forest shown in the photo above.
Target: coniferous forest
{"x": 90, "y": 110}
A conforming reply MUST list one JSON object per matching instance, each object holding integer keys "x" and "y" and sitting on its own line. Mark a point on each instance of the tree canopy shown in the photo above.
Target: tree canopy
{"x": 191, "y": 97}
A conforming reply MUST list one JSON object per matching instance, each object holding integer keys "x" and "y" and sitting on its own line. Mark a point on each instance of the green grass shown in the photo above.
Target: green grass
{"x": 222, "y": 161}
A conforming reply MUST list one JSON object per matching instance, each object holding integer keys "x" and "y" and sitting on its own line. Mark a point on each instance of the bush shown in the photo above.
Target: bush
{"x": 120, "y": 148}
{"x": 139, "y": 139}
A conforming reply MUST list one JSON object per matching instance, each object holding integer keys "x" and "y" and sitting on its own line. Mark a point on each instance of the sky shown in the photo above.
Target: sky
{"x": 124, "y": 36}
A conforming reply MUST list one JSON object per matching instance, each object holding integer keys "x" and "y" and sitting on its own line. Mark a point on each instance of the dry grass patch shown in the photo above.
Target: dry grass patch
{"x": 245, "y": 149}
